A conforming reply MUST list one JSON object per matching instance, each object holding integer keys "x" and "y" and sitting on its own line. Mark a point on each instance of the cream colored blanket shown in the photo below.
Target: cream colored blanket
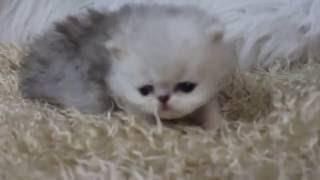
{"x": 272, "y": 132}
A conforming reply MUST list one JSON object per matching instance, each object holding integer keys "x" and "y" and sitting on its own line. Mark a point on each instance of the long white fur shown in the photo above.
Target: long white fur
{"x": 262, "y": 30}
{"x": 185, "y": 48}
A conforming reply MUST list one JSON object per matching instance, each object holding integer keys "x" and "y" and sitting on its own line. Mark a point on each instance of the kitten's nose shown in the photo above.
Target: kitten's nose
{"x": 164, "y": 98}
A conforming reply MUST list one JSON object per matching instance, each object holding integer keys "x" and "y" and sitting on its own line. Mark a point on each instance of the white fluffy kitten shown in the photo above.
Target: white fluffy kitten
{"x": 160, "y": 60}
{"x": 168, "y": 63}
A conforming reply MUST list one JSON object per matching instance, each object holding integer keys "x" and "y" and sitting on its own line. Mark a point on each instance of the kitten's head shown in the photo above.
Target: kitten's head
{"x": 169, "y": 66}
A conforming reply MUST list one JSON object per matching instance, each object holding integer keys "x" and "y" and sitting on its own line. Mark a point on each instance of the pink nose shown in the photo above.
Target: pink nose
{"x": 164, "y": 98}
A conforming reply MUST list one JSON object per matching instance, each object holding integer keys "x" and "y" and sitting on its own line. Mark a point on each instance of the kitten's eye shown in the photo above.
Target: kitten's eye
{"x": 185, "y": 87}
{"x": 146, "y": 90}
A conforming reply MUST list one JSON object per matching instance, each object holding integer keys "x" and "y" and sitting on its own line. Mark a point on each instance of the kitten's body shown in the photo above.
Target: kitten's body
{"x": 66, "y": 65}
{"x": 164, "y": 60}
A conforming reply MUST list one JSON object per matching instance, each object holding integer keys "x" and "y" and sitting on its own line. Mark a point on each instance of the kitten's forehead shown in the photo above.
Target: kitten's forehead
{"x": 165, "y": 70}
{"x": 167, "y": 62}
{"x": 158, "y": 33}
{"x": 164, "y": 48}
{"x": 166, "y": 34}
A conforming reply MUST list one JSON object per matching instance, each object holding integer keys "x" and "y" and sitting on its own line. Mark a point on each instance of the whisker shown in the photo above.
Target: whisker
{"x": 158, "y": 120}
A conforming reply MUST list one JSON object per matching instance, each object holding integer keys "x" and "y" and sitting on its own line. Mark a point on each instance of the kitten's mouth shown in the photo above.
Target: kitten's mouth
{"x": 167, "y": 113}
{"x": 165, "y": 107}
{"x": 169, "y": 116}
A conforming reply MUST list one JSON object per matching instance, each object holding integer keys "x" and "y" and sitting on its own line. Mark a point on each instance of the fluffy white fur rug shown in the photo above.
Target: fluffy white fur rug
{"x": 262, "y": 30}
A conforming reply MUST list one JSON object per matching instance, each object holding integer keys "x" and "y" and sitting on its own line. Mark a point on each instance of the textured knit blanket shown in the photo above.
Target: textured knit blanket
{"x": 272, "y": 132}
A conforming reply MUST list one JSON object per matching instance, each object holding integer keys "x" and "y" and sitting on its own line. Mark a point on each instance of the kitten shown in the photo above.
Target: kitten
{"x": 160, "y": 60}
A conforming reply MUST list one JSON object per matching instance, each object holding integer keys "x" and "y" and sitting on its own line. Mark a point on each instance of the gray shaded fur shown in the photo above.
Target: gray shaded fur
{"x": 66, "y": 65}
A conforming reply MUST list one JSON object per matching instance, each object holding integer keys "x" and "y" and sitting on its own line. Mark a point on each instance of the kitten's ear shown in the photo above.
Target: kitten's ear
{"x": 216, "y": 31}
{"x": 115, "y": 49}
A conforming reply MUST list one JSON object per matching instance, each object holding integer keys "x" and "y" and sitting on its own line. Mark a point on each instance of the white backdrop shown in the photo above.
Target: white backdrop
{"x": 261, "y": 30}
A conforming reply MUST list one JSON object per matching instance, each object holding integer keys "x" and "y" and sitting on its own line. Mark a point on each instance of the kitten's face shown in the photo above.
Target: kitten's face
{"x": 171, "y": 87}
{"x": 171, "y": 72}
{"x": 171, "y": 82}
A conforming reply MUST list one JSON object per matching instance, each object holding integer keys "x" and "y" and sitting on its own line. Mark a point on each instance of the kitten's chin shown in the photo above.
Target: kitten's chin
{"x": 169, "y": 115}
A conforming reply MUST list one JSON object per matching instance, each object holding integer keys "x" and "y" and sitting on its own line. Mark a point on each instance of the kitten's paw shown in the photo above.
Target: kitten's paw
{"x": 212, "y": 118}
{"x": 212, "y": 123}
